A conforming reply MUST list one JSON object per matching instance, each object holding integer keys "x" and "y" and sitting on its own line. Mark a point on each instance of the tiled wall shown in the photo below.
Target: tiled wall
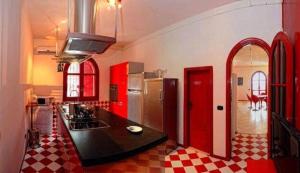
{"x": 104, "y": 104}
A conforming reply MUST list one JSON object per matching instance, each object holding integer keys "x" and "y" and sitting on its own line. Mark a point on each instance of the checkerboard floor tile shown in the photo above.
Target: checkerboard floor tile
{"x": 57, "y": 154}
{"x": 191, "y": 160}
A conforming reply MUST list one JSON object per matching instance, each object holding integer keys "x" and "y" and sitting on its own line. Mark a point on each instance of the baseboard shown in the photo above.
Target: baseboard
{"x": 220, "y": 157}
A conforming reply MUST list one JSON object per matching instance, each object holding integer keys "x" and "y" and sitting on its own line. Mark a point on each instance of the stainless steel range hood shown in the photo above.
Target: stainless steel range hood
{"x": 82, "y": 43}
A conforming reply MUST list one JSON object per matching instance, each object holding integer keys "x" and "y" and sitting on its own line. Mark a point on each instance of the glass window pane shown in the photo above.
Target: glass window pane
{"x": 74, "y": 68}
{"x": 89, "y": 86}
{"x": 259, "y": 81}
{"x": 73, "y": 86}
{"x": 88, "y": 67}
{"x": 255, "y": 77}
{"x": 254, "y": 85}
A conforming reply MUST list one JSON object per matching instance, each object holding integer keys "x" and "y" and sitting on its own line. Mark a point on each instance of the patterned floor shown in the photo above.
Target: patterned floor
{"x": 192, "y": 161}
{"x": 57, "y": 154}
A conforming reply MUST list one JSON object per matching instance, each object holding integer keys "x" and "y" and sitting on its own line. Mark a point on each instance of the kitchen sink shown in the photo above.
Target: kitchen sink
{"x": 82, "y": 125}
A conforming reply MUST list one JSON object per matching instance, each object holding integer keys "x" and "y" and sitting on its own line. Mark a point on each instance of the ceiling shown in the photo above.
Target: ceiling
{"x": 138, "y": 17}
{"x": 251, "y": 55}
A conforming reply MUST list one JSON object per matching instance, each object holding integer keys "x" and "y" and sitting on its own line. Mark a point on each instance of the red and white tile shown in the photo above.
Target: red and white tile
{"x": 193, "y": 161}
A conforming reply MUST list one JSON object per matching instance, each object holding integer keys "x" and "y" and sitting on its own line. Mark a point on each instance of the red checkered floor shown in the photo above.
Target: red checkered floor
{"x": 53, "y": 156}
{"x": 192, "y": 161}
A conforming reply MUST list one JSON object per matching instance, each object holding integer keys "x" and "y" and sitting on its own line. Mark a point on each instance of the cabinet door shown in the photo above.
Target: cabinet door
{"x": 119, "y": 77}
{"x": 123, "y": 89}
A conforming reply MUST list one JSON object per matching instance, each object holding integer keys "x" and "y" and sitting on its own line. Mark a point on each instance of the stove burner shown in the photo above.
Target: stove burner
{"x": 81, "y": 125}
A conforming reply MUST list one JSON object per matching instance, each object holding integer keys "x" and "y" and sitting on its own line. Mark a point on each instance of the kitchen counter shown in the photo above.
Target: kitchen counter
{"x": 96, "y": 146}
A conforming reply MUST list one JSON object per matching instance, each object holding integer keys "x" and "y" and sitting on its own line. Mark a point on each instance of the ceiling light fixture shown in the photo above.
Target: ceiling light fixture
{"x": 114, "y": 3}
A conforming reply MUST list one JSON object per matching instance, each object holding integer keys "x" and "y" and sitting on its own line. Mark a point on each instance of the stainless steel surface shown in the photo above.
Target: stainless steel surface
{"x": 83, "y": 42}
{"x": 135, "y": 106}
{"x": 85, "y": 16}
{"x": 153, "y": 105}
{"x": 135, "y": 67}
{"x": 135, "y": 82}
{"x": 135, "y": 97}
{"x": 81, "y": 45}
{"x": 150, "y": 75}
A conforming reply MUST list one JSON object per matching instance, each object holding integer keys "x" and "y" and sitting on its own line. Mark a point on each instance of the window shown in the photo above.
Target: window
{"x": 81, "y": 81}
{"x": 259, "y": 83}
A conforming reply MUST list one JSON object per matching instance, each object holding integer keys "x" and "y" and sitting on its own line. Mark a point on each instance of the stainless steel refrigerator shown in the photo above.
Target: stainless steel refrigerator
{"x": 160, "y": 105}
{"x": 135, "y": 97}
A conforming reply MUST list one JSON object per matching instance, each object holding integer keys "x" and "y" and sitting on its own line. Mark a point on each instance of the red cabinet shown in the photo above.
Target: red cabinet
{"x": 118, "y": 77}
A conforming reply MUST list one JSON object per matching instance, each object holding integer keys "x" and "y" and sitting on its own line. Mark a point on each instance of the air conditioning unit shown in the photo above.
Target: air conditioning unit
{"x": 45, "y": 50}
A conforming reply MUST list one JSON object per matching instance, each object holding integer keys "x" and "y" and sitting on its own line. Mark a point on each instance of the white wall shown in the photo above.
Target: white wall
{"x": 206, "y": 40}
{"x": 246, "y": 73}
{"x": 15, "y": 79}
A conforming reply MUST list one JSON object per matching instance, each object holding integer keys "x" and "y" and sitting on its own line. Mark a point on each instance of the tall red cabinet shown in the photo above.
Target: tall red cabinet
{"x": 118, "y": 78}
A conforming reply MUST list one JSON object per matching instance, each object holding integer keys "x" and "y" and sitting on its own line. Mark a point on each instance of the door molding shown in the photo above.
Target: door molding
{"x": 254, "y": 41}
{"x": 185, "y": 106}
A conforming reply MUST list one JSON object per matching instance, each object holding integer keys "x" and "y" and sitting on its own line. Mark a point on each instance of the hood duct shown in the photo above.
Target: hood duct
{"x": 82, "y": 43}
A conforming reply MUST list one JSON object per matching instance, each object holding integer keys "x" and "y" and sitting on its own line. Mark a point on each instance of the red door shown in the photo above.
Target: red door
{"x": 200, "y": 108}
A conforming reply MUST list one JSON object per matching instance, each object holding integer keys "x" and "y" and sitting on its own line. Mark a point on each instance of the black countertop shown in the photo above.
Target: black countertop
{"x": 97, "y": 146}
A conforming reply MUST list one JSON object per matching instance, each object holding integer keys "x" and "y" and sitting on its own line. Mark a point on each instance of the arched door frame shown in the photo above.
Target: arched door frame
{"x": 233, "y": 52}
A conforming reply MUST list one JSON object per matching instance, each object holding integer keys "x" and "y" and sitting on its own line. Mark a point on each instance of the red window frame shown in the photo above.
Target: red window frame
{"x": 81, "y": 75}
{"x": 259, "y": 90}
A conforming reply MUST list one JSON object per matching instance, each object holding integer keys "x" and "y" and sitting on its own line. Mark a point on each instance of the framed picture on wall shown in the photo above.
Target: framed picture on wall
{"x": 240, "y": 81}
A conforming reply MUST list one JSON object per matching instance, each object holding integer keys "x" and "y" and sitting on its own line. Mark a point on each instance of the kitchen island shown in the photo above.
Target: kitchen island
{"x": 97, "y": 147}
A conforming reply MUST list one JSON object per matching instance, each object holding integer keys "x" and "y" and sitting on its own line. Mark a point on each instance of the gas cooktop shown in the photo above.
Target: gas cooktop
{"x": 86, "y": 125}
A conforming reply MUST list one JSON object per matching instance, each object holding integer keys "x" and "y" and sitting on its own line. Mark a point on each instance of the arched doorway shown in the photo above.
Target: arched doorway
{"x": 249, "y": 41}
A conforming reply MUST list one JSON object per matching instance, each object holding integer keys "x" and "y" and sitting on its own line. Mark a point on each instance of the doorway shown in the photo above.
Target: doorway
{"x": 247, "y": 95}
{"x": 198, "y": 108}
